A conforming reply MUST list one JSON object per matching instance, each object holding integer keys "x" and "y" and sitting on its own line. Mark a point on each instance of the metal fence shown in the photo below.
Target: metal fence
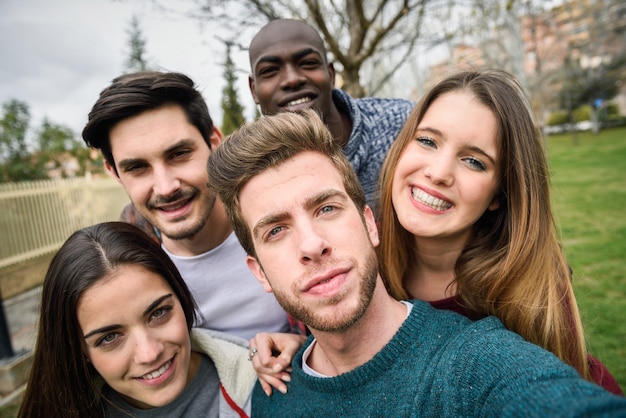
{"x": 36, "y": 217}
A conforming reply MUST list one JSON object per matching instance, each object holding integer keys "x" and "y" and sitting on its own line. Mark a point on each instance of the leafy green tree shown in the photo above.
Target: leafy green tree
{"x": 137, "y": 60}
{"x": 55, "y": 147}
{"x": 58, "y": 146}
{"x": 231, "y": 107}
{"x": 594, "y": 67}
{"x": 583, "y": 85}
{"x": 13, "y": 128}
{"x": 56, "y": 138}
{"x": 357, "y": 33}
{"x": 16, "y": 160}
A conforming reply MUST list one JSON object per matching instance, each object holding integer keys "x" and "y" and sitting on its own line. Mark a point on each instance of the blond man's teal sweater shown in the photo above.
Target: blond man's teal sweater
{"x": 441, "y": 364}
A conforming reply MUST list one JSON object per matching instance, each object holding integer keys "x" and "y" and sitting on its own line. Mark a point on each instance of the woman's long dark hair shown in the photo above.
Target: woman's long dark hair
{"x": 61, "y": 382}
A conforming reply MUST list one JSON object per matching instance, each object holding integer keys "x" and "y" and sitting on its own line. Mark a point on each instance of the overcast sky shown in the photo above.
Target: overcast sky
{"x": 57, "y": 55}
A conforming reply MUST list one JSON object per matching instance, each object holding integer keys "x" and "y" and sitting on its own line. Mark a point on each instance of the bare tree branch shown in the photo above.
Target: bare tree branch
{"x": 354, "y": 31}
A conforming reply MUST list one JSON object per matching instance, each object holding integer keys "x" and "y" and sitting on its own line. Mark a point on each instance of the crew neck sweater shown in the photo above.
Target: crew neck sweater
{"x": 441, "y": 364}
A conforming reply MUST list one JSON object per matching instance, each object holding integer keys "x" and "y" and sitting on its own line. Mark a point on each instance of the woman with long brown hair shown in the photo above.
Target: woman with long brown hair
{"x": 115, "y": 337}
{"x": 466, "y": 220}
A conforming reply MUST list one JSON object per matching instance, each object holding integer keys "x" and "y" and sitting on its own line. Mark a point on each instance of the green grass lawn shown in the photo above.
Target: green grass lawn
{"x": 589, "y": 195}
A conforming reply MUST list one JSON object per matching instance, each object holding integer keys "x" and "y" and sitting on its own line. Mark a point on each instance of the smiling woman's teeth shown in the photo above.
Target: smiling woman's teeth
{"x": 157, "y": 373}
{"x": 428, "y": 200}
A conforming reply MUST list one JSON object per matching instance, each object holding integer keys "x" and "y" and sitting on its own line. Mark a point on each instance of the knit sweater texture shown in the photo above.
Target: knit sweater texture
{"x": 440, "y": 364}
{"x": 376, "y": 122}
{"x": 599, "y": 372}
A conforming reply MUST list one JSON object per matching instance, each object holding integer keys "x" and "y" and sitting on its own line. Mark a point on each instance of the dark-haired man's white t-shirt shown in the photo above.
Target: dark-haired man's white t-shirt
{"x": 230, "y": 299}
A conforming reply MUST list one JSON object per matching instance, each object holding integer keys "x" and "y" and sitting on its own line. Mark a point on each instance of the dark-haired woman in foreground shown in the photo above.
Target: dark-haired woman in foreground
{"x": 115, "y": 337}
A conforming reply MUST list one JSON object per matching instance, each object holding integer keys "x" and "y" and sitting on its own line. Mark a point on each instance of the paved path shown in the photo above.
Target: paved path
{"x": 22, "y": 313}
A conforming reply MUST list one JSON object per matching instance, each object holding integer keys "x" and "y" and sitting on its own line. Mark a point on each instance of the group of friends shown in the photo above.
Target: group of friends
{"x": 336, "y": 257}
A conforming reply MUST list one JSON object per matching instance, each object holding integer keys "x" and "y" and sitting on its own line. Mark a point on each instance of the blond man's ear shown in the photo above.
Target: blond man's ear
{"x": 257, "y": 270}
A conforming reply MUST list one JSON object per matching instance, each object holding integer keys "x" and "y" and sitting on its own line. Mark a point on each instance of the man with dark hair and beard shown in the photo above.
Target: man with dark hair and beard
{"x": 156, "y": 135}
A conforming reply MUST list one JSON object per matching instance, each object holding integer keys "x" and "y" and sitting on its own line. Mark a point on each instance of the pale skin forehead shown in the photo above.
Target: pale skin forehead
{"x": 284, "y": 31}
{"x": 304, "y": 180}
